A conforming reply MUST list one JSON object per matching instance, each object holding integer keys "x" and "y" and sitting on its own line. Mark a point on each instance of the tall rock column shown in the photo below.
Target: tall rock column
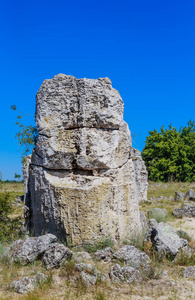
{"x": 83, "y": 183}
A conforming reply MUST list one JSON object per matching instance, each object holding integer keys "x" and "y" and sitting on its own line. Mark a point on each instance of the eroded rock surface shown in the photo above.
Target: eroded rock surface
{"x": 33, "y": 248}
{"x": 185, "y": 211}
{"x": 127, "y": 274}
{"x": 133, "y": 257}
{"x": 165, "y": 239}
{"x": 28, "y": 284}
{"x": 85, "y": 179}
{"x": 56, "y": 255}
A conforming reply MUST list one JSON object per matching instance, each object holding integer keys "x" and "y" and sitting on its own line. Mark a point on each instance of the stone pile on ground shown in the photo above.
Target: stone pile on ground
{"x": 84, "y": 180}
{"x": 43, "y": 248}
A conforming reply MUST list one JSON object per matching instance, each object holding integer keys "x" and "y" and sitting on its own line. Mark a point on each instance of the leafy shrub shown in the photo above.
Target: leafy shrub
{"x": 169, "y": 155}
{"x": 158, "y": 215}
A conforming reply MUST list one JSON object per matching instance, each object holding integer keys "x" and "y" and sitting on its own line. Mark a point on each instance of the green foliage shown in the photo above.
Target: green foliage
{"x": 17, "y": 176}
{"x": 9, "y": 227}
{"x": 169, "y": 155}
{"x": 27, "y": 135}
{"x": 5, "y": 205}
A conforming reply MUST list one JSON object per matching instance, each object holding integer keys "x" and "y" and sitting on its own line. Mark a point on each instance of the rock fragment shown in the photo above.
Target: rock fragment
{"x": 186, "y": 211}
{"x": 28, "y": 284}
{"x": 127, "y": 274}
{"x": 56, "y": 255}
{"x": 179, "y": 196}
{"x": 106, "y": 254}
{"x": 27, "y": 251}
{"x": 165, "y": 239}
{"x": 189, "y": 272}
{"x": 190, "y": 195}
{"x": 133, "y": 257}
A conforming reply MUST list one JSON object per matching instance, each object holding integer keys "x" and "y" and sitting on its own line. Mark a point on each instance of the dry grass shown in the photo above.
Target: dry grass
{"x": 165, "y": 282}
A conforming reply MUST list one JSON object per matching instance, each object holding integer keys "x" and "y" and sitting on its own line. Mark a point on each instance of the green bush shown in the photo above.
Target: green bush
{"x": 169, "y": 155}
{"x": 9, "y": 227}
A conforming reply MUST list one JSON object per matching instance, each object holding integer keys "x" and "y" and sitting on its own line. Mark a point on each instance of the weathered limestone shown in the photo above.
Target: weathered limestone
{"x": 85, "y": 179}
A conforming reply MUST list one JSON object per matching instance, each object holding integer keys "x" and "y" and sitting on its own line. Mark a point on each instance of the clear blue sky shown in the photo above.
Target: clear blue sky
{"x": 146, "y": 48}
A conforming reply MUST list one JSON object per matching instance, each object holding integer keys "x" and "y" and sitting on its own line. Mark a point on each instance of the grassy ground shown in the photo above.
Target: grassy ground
{"x": 65, "y": 283}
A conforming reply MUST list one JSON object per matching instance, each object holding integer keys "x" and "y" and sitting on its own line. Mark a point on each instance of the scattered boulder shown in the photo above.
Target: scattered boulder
{"x": 89, "y": 274}
{"x": 179, "y": 196}
{"x": 185, "y": 211}
{"x": 165, "y": 239}
{"x": 56, "y": 255}
{"x": 80, "y": 256}
{"x": 28, "y": 284}
{"x": 190, "y": 195}
{"x": 88, "y": 278}
{"x": 106, "y": 254}
{"x": 157, "y": 213}
{"x": 189, "y": 272}
{"x": 84, "y": 267}
{"x": 133, "y": 257}
{"x": 171, "y": 198}
{"x": 127, "y": 274}
{"x": 27, "y": 251}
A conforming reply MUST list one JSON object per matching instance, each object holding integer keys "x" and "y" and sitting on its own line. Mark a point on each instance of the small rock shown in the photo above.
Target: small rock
{"x": 189, "y": 272}
{"x": 127, "y": 274}
{"x": 133, "y": 257}
{"x": 28, "y": 284}
{"x": 190, "y": 195}
{"x": 84, "y": 267}
{"x": 186, "y": 211}
{"x": 56, "y": 255}
{"x": 88, "y": 279}
{"x": 160, "y": 198}
{"x": 171, "y": 198}
{"x": 165, "y": 239}
{"x": 106, "y": 254}
{"x": 79, "y": 256}
{"x": 89, "y": 275}
{"x": 19, "y": 199}
{"x": 179, "y": 196}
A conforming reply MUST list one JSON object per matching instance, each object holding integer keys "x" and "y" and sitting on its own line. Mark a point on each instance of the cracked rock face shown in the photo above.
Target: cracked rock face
{"x": 85, "y": 180}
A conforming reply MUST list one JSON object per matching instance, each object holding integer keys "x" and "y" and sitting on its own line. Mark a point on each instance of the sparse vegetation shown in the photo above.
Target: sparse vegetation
{"x": 98, "y": 245}
{"x": 184, "y": 235}
{"x": 157, "y": 283}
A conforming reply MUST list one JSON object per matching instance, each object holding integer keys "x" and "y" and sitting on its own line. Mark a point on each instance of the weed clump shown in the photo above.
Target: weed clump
{"x": 184, "y": 235}
{"x": 98, "y": 245}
